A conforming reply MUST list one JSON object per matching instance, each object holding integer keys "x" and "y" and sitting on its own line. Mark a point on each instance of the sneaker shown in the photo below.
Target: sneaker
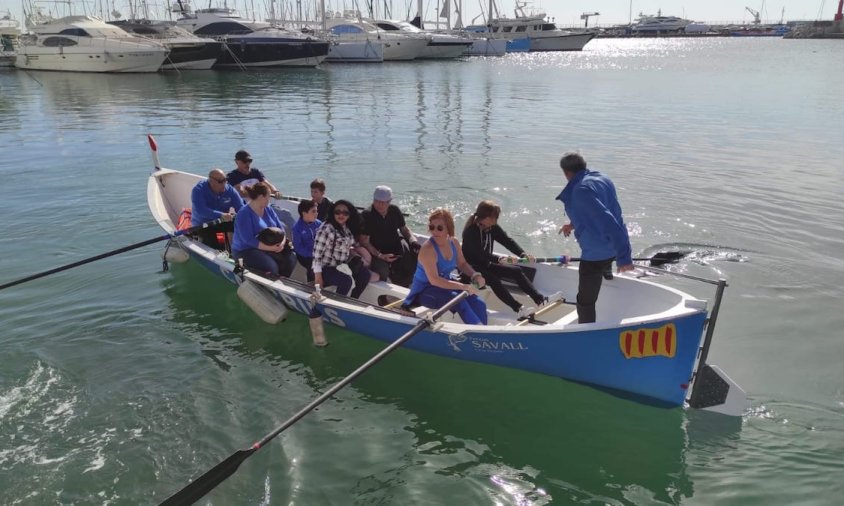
{"x": 526, "y": 311}
{"x": 554, "y": 297}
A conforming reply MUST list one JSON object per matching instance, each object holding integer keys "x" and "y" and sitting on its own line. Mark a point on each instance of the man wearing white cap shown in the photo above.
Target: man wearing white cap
{"x": 382, "y": 233}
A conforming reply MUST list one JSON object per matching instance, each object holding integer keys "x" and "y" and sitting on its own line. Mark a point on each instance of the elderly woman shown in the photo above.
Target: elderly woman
{"x": 479, "y": 235}
{"x": 333, "y": 246}
{"x": 271, "y": 259}
{"x": 432, "y": 285}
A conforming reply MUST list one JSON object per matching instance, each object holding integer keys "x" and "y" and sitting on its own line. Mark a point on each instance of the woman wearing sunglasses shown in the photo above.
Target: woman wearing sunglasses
{"x": 479, "y": 235}
{"x": 275, "y": 259}
{"x": 440, "y": 255}
{"x": 333, "y": 246}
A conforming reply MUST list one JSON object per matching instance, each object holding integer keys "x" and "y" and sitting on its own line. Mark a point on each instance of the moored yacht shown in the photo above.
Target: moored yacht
{"x": 397, "y": 46}
{"x": 9, "y": 34}
{"x": 531, "y": 32}
{"x": 652, "y": 25}
{"x": 187, "y": 51}
{"x": 249, "y": 43}
{"x": 440, "y": 46}
{"x": 87, "y": 44}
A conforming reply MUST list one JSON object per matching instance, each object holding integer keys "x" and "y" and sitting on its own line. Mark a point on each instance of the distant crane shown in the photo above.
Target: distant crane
{"x": 757, "y": 18}
{"x": 586, "y": 15}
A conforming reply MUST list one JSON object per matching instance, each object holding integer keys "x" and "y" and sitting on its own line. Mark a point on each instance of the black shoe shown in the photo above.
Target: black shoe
{"x": 608, "y": 275}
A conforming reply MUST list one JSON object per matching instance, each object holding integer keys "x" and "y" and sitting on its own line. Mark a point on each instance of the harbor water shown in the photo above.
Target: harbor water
{"x": 119, "y": 383}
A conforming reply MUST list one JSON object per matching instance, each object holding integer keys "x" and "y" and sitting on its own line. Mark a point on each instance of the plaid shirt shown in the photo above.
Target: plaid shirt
{"x": 332, "y": 247}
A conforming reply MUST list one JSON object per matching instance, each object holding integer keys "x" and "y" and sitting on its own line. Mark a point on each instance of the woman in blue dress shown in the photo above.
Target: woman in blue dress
{"x": 272, "y": 260}
{"x": 432, "y": 285}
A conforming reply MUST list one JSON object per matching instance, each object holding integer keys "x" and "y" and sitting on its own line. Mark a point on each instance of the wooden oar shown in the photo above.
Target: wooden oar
{"x": 111, "y": 253}
{"x": 661, "y": 258}
{"x": 208, "y": 481}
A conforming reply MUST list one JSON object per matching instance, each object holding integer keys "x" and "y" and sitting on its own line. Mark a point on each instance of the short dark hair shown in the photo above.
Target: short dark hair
{"x": 572, "y": 162}
{"x": 305, "y": 205}
{"x": 319, "y": 184}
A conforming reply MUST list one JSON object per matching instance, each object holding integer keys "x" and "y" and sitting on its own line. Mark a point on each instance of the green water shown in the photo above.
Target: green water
{"x": 120, "y": 383}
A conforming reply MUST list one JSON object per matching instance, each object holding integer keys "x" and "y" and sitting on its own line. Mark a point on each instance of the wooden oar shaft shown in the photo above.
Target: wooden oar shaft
{"x": 108, "y": 254}
{"x": 208, "y": 481}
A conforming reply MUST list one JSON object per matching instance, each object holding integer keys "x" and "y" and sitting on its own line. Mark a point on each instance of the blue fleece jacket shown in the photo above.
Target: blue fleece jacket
{"x": 592, "y": 205}
{"x": 303, "y": 237}
{"x": 247, "y": 226}
{"x": 208, "y": 205}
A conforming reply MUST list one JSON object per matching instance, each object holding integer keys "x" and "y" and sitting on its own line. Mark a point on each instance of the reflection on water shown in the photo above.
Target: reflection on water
{"x": 513, "y": 437}
{"x": 709, "y": 142}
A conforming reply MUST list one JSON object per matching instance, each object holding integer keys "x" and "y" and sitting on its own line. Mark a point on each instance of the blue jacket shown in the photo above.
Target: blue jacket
{"x": 208, "y": 205}
{"x": 247, "y": 226}
{"x": 303, "y": 237}
{"x": 592, "y": 205}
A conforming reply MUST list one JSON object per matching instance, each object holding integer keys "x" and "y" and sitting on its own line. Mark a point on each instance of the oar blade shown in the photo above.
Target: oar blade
{"x": 196, "y": 489}
{"x": 666, "y": 257}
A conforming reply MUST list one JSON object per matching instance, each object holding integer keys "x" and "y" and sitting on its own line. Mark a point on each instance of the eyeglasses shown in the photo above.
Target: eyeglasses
{"x": 438, "y": 228}
{"x": 221, "y": 181}
{"x": 341, "y": 212}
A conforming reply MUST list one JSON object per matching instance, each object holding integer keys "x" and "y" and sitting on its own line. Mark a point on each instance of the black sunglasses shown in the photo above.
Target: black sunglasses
{"x": 338, "y": 212}
{"x": 438, "y": 228}
{"x": 221, "y": 181}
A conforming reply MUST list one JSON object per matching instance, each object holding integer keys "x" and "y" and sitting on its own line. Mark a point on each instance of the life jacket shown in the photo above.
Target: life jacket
{"x": 184, "y": 220}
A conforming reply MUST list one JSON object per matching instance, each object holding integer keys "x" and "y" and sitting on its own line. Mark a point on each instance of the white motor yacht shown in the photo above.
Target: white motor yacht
{"x": 659, "y": 24}
{"x": 532, "y": 32}
{"x": 187, "y": 51}
{"x": 441, "y": 45}
{"x": 87, "y": 44}
{"x": 397, "y": 46}
{"x": 10, "y": 31}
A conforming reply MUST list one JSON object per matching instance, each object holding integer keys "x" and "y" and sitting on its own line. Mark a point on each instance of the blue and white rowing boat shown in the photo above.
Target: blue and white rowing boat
{"x": 650, "y": 340}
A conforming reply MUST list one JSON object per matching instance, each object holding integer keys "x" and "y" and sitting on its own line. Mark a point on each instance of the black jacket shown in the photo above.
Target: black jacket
{"x": 477, "y": 245}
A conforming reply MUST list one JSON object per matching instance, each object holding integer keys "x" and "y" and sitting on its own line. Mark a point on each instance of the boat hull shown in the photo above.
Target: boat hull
{"x": 364, "y": 51}
{"x": 574, "y": 42}
{"x": 240, "y": 52}
{"x": 192, "y": 56}
{"x": 652, "y": 356}
{"x": 89, "y": 59}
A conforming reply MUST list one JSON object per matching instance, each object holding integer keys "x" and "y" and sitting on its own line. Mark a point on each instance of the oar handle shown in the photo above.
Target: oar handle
{"x": 110, "y": 253}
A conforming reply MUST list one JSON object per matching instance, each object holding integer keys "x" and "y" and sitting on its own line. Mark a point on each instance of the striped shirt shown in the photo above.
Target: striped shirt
{"x": 332, "y": 247}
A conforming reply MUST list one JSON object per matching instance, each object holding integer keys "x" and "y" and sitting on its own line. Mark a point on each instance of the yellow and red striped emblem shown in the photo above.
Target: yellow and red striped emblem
{"x": 641, "y": 343}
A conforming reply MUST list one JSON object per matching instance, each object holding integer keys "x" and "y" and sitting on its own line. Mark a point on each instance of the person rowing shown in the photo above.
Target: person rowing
{"x": 479, "y": 235}
{"x": 432, "y": 285}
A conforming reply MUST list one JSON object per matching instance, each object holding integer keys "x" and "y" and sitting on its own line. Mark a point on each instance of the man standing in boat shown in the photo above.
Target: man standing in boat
{"x": 245, "y": 173}
{"x": 213, "y": 199}
{"x": 383, "y": 230}
{"x": 591, "y": 204}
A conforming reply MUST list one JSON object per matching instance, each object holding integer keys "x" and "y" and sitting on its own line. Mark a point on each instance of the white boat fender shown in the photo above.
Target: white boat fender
{"x": 262, "y": 303}
{"x": 315, "y": 320}
{"x": 173, "y": 253}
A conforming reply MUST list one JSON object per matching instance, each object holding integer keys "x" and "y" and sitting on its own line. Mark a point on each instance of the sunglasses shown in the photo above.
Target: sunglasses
{"x": 221, "y": 181}
{"x": 341, "y": 212}
{"x": 438, "y": 228}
